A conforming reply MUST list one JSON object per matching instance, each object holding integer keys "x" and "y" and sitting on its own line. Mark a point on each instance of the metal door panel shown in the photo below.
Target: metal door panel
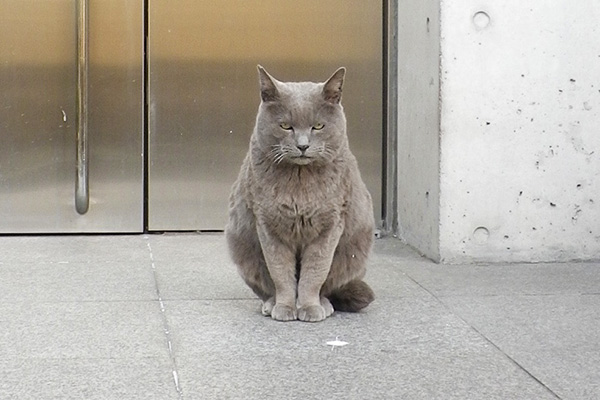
{"x": 38, "y": 77}
{"x": 203, "y": 91}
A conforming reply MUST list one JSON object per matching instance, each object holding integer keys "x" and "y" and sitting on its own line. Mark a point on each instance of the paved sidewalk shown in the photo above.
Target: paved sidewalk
{"x": 167, "y": 317}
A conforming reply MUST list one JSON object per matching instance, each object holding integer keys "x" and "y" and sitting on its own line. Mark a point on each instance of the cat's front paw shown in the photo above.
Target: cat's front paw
{"x": 312, "y": 313}
{"x": 281, "y": 312}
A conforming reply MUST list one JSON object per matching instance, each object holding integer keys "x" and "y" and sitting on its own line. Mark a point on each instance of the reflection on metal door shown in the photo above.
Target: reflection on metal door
{"x": 202, "y": 96}
{"x": 203, "y": 91}
{"x": 39, "y": 95}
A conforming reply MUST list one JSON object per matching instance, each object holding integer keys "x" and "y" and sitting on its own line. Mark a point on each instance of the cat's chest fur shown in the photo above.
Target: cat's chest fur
{"x": 300, "y": 203}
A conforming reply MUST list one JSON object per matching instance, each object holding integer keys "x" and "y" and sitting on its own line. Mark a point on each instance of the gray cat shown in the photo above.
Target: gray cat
{"x": 300, "y": 218}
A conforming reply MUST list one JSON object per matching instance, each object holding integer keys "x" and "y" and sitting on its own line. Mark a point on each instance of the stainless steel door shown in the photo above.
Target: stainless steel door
{"x": 203, "y": 91}
{"x": 203, "y": 96}
{"x": 39, "y": 116}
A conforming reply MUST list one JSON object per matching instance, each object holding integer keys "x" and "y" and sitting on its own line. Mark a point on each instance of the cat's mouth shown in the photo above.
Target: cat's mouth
{"x": 301, "y": 159}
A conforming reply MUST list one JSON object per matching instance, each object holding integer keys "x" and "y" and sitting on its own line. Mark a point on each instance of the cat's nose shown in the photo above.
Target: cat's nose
{"x": 302, "y": 147}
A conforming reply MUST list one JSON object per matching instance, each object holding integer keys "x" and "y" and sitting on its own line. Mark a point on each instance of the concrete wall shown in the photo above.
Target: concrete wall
{"x": 418, "y": 124}
{"x": 519, "y": 150}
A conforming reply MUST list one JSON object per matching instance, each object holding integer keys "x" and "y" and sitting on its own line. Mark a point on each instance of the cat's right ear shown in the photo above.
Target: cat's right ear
{"x": 268, "y": 88}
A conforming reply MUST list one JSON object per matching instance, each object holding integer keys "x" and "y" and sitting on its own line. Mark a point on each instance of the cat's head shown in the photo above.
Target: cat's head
{"x": 301, "y": 123}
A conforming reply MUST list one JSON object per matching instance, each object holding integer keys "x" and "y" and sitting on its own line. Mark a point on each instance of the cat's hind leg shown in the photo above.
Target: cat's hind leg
{"x": 267, "y": 306}
{"x": 326, "y": 304}
{"x": 246, "y": 252}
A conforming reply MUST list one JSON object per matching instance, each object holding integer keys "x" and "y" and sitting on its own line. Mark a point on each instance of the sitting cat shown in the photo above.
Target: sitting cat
{"x": 300, "y": 218}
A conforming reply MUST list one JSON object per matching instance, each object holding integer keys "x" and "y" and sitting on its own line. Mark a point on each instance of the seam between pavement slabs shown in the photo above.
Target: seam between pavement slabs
{"x": 166, "y": 328}
{"x": 512, "y": 360}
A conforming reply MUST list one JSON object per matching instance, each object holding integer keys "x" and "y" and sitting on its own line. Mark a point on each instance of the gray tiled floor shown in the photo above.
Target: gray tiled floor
{"x": 167, "y": 317}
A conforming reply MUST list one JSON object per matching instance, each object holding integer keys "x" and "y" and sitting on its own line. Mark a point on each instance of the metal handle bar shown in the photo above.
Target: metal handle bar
{"x": 82, "y": 189}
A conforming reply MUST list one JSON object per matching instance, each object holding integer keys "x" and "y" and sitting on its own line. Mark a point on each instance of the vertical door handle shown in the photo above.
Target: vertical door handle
{"x": 82, "y": 189}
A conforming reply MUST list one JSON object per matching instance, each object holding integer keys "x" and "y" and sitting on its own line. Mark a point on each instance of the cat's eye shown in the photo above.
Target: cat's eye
{"x": 285, "y": 126}
{"x": 318, "y": 127}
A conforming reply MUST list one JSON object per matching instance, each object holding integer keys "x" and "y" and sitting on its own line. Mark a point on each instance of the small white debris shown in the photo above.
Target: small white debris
{"x": 64, "y": 115}
{"x": 336, "y": 343}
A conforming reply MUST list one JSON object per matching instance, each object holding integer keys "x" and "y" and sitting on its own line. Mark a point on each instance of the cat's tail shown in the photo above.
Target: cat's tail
{"x": 352, "y": 297}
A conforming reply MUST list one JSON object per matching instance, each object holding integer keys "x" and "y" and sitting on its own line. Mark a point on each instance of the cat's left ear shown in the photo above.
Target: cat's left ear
{"x": 332, "y": 91}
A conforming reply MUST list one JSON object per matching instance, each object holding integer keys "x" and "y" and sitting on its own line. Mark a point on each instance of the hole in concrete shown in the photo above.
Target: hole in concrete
{"x": 481, "y": 20}
{"x": 481, "y": 235}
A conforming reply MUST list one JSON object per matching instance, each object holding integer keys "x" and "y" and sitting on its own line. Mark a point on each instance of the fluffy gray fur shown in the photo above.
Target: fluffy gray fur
{"x": 300, "y": 218}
